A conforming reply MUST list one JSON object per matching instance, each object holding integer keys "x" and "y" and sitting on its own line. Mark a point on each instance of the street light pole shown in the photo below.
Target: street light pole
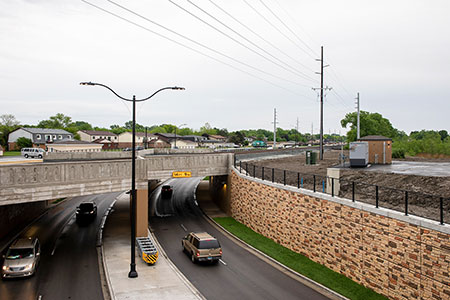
{"x": 133, "y": 273}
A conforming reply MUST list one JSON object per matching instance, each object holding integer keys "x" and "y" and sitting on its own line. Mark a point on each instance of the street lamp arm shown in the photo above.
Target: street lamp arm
{"x": 105, "y": 86}
{"x": 166, "y": 88}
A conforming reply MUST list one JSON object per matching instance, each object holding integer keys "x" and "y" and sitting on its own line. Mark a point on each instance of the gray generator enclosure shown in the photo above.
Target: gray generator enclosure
{"x": 359, "y": 154}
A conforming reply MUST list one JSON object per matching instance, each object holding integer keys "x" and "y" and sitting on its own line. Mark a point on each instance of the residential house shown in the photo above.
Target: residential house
{"x": 38, "y": 136}
{"x": 108, "y": 139}
{"x": 126, "y": 139}
{"x": 179, "y": 141}
{"x": 73, "y": 146}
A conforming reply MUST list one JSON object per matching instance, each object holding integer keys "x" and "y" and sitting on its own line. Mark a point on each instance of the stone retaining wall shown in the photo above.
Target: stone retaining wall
{"x": 397, "y": 256}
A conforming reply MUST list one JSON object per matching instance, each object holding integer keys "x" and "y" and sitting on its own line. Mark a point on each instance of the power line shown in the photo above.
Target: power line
{"x": 284, "y": 24}
{"x": 258, "y": 35}
{"x": 235, "y": 40}
{"x": 334, "y": 72}
{"x": 197, "y": 51}
{"x": 277, "y": 29}
{"x": 299, "y": 73}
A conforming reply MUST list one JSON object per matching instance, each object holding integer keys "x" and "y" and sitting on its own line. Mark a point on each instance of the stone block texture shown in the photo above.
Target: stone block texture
{"x": 394, "y": 258}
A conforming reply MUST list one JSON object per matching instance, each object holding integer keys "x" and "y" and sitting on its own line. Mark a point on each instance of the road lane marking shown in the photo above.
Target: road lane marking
{"x": 184, "y": 228}
{"x": 221, "y": 261}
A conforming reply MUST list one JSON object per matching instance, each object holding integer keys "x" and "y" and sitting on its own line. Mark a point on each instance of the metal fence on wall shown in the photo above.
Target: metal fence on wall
{"x": 432, "y": 207}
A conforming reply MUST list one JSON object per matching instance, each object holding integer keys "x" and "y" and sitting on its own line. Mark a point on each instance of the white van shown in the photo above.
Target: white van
{"x": 32, "y": 152}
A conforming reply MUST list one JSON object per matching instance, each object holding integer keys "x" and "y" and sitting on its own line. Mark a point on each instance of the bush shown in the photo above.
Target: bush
{"x": 398, "y": 153}
{"x": 23, "y": 142}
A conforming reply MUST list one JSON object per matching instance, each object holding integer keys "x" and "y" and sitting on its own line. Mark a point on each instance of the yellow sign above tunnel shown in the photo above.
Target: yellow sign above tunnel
{"x": 182, "y": 174}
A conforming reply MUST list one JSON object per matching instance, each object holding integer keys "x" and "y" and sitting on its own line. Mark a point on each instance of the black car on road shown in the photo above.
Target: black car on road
{"x": 86, "y": 211}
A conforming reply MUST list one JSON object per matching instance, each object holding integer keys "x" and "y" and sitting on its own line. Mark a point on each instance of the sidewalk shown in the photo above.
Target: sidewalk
{"x": 160, "y": 281}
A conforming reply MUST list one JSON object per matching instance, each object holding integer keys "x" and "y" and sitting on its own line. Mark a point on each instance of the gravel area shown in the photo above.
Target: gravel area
{"x": 423, "y": 192}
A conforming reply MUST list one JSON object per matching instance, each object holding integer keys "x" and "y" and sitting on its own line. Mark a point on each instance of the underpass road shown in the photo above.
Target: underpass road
{"x": 240, "y": 275}
{"x": 72, "y": 272}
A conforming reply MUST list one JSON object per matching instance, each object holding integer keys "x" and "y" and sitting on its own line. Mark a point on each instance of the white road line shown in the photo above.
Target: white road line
{"x": 184, "y": 228}
{"x": 224, "y": 263}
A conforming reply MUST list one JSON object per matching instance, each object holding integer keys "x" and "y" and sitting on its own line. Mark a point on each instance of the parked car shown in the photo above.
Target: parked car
{"x": 202, "y": 246}
{"x": 86, "y": 211}
{"x": 32, "y": 152}
{"x": 126, "y": 149}
{"x": 22, "y": 258}
{"x": 166, "y": 191}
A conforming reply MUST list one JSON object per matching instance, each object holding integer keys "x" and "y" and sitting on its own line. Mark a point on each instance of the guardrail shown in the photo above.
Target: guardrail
{"x": 433, "y": 207}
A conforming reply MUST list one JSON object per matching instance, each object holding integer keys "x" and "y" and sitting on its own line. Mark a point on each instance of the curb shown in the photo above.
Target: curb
{"x": 297, "y": 276}
{"x": 104, "y": 274}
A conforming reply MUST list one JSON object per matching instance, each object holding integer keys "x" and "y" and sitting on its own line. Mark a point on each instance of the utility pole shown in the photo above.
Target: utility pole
{"x": 297, "y": 139}
{"x": 274, "y": 128}
{"x": 321, "y": 100}
{"x": 357, "y": 116}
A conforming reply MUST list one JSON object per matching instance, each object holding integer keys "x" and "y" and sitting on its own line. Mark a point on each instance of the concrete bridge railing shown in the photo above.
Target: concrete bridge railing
{"x": 38, "y": 182}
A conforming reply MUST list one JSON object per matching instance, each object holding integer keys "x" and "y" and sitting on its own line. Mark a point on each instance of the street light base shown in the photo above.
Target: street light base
{"x": 132, "y": 273}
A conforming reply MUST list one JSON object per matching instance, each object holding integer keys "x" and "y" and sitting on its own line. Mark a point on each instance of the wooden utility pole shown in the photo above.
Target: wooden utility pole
{"x": 321, "y": 100}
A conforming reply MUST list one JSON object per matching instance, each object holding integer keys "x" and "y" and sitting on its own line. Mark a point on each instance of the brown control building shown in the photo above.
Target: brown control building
{"x": 380, "y": 149}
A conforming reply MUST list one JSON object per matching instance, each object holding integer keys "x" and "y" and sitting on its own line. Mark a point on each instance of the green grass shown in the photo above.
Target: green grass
{"x": 206, "y": 178}
{"x": 303, "y": 265}
{"x": 11, "y": 153}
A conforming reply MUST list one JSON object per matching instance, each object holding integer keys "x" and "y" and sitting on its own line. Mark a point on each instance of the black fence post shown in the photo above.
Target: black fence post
{"x": 240, "y": 166}
{"x": 314, "y": 183}
{"x": 254, "y": 171}
{"x": 234, "y": 156}
{"x": 441, "y": 207}
{"x": 273, "y": 173}
{"x": 262, "y": 173}
{"x": 332, "y": 186}
{"x": 376, "y": 196}
{"x": 246, "y": 168}
{"x": 406, "y": 203}
{"x": 353, "y": 191}
{"x": 284, "y": 177}
{"x": 298, "y": 180}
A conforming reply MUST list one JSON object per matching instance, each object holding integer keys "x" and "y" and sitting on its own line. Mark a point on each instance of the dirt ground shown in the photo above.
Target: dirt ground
{"x": 423, "y": 192}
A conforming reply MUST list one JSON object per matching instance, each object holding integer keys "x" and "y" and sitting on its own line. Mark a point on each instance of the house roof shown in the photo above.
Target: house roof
{"x": 99, "y": 132}
{"x": 102, "y": 141}
{"x": 45, "y": 130}
{"x": 374, "y": 138}
{"x": 216, "y": 136}
{"x": 72, "y": 142}
{"x": 168, "y": 135}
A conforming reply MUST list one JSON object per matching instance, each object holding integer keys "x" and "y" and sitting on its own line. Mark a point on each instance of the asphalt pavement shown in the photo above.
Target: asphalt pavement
{"x": 69, "y": 266}
{"x": 239, "y": 275}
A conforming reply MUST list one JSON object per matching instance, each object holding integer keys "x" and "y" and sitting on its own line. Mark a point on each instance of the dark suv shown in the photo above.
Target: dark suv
{"x": 166, "y": 191}
{"x": 86, "y": 211}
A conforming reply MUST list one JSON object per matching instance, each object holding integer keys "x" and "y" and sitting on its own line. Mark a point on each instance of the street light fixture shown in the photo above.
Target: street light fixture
{"x": 133, "y": 273}
{"x": 175, "y": 147}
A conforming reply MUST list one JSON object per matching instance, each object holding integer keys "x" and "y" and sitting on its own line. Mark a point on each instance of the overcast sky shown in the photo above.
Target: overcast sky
{"x": 394, "y": 53}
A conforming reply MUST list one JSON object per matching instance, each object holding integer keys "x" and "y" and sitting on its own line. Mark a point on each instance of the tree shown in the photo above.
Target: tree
{"x": 24, "y": 142}
{"x": 59, "y": 120}
{"x": 237, "y": 138}
{"x": 82, "y": 125}
{"x": 370, "y": 124}
{"x": 443, "y": 134}
{"x": 8, "y": 123}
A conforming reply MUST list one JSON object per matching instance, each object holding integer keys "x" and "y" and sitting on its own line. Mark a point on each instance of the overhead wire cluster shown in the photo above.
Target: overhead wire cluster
{"x": 245, "y": 36}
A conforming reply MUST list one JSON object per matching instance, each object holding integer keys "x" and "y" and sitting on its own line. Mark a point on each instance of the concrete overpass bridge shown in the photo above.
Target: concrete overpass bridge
{"x": 51, "y": 180}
